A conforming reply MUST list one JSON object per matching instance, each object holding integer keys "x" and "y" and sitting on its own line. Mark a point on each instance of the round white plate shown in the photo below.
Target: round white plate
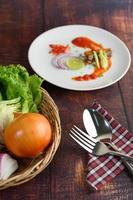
{"x": 40, "y": 58}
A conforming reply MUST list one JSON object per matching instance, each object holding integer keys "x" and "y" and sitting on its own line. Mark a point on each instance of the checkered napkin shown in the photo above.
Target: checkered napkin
{"x": 103, "y": 169}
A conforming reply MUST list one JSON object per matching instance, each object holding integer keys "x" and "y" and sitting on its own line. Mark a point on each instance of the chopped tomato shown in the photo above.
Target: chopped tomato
{"x": 57, "y": 49}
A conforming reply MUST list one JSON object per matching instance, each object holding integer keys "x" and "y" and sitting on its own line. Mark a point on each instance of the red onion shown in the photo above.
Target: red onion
{"x": 54, "y": 61}
{"x": 7, "y": 166}
{"x": 60, "y": 60}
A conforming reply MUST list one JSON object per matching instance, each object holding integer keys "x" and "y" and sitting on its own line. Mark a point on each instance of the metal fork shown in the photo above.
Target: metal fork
{"x": 92, "y": 146}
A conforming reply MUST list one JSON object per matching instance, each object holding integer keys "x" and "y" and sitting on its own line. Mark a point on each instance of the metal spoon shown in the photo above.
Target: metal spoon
{"x": 99, "y": 128}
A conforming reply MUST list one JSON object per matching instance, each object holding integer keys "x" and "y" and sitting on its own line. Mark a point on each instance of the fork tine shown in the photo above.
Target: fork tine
{"x": 82, "y": 140}
{"x": 85, "y": 134}
{"x": 82, "y": 145}
{"x": 83, "y": 137}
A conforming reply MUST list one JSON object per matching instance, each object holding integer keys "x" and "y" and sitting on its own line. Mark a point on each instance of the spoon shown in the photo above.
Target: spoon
{"x": 99, "y": 128}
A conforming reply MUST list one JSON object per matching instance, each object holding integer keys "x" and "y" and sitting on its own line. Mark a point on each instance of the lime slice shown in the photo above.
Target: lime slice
{"x": 75, "y": 63}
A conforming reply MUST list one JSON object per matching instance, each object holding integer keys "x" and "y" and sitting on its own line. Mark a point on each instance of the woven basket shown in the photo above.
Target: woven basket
{"x": 29, "y": 168}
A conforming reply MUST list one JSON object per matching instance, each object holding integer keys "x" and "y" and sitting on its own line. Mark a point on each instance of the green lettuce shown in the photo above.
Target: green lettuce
{"x": 15, "y": 81}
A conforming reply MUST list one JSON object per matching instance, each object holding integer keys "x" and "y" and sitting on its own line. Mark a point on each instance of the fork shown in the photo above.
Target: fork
{"x": 92, "y": 146}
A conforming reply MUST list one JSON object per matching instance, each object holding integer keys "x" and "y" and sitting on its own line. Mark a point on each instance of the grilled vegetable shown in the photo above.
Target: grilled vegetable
{"x": 103, "y": 59}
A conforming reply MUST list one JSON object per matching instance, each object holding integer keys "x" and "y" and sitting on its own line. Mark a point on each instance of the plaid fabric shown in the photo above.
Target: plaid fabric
{"x": 103, "y": 169}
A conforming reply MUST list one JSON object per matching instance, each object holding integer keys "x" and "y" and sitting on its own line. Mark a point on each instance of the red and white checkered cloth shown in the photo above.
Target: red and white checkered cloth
{"x": 103, "y": 169}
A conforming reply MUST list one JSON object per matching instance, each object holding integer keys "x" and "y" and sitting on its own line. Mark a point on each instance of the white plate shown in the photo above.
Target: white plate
{"x": 40, "y": 58}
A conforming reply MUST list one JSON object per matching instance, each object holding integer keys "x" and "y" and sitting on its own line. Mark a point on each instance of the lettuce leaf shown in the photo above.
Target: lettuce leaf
{"x": 35, "y": 83}
{"x": 15, "y": 81}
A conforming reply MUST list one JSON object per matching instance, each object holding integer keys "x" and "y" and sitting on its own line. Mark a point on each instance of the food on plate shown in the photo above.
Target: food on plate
{"x": 86, "y": 42}
{"x": 98, "y": 57}
{"x": 57, "y": 49}
{"x": 97, "y": 73}
{"x": 60, "y": 60}
{"x": 28, "y": 135}
{"x": 94, "y": 54}
{"x": 15, "y": 82}
{"x": 68, "y": 62}
{"x": 97, "y": 63}
{"x": 75, "y": 63}
{"x": 8, "y": 166}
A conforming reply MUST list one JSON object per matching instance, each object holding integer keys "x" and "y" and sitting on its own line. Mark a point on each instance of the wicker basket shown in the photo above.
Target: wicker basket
{"x": 29, "y": 168}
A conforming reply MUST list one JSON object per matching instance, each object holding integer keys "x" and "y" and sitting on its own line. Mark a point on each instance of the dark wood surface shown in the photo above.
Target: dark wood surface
{"x": 21, "y": 22}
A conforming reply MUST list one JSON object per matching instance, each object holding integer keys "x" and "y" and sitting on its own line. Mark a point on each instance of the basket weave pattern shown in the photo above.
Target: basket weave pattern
{"x": 29, "y": 168}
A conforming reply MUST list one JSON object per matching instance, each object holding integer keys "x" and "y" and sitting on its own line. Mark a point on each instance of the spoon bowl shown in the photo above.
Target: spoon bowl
{"x": 96, "y": 125}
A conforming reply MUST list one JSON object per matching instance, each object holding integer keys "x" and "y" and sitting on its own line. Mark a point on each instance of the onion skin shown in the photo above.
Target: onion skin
{"x": 28, "y": 135}
{"x": 7, "y": 166}
{"x": 17, "y": 114}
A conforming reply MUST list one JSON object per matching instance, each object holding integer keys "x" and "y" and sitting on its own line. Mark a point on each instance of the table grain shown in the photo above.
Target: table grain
{"x": 21, "y": 21}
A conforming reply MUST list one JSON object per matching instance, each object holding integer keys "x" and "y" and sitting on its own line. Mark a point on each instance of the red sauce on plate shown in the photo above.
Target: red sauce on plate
{"x": 98, "y": 72}
{"x": 57, "y": 49}
{"x": 85, "y": 42}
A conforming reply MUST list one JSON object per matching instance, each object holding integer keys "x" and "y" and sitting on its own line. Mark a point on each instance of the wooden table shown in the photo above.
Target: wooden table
{"x": 21, "y": 22}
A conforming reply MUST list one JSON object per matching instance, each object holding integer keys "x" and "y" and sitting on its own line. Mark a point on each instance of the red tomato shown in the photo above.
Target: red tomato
{"x": 57, "y": 49}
